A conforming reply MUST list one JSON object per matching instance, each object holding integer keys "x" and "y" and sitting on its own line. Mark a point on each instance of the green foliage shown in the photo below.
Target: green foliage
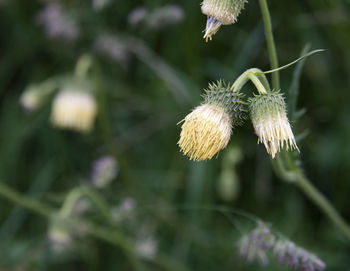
{"x": 161, "y": 210}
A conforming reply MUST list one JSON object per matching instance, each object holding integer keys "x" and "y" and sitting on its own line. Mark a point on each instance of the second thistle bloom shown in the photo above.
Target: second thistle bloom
{"x": 269, "y": 117}
{"x": 220, "y": 12}
{"x": 74, "y": 109}
{"x": 208, "y": 128}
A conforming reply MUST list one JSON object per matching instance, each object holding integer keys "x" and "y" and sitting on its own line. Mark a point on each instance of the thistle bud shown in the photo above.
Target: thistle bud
{"x": 208, "y": 128}
{"x": 74, "y": 109}
{"x": 269, "y": 117}
{"x": 220, "y": 12}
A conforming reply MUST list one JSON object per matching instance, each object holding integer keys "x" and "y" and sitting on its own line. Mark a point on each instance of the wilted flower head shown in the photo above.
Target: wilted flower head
{"x": 74, "y": 109}
{"x": 57, "y": 24}
{"x": 269, "y": 117}
{"x": 208, "y": 128}
{"x": 104, "y": 171}
{"x": 261, "y": 241}
{"x": 220, "y": 12}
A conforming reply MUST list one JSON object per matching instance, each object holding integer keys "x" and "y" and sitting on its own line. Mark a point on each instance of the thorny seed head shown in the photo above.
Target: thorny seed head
{"x": 208, "y": 128}
{"x": 220, "y": 12}
{"x": 269, "y": 116}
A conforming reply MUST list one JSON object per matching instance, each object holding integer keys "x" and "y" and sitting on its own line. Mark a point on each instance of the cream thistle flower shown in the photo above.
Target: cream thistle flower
{"x": 220, "y": 12}
{"x": 269, "y": 117}
{"x": 208, "y": 128}
{"x": 74, "y": 109}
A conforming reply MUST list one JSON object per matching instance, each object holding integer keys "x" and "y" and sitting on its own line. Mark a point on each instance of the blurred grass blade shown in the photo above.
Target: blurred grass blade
{"x": 293, "y": 92}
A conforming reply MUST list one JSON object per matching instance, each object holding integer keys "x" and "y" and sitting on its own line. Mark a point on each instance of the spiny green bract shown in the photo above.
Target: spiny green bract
{"x": 272, "y": 102}
{"x": 221, "y": 94}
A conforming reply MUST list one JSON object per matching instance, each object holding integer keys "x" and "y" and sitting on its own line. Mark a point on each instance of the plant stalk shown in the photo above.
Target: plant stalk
{"x": 294, "y": 173}
{"x": 270, "y": 43}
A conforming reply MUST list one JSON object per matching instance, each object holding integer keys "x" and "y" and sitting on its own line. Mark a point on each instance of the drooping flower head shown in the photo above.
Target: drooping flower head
{"x": 74, "y": 109}
{"x": 269, "y": 116}
{"x": 220, "y": 12}
{"x": 208, "y": 128}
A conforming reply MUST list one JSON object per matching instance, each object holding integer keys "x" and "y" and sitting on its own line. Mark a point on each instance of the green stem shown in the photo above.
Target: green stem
{"x": 80, "y": 192}
{"x": 24, "y": 201}
{"x": 83, "y": 66}
{"x": 111, "y": 236}
{"x": 270, "y": 43}
{"x": 323, "y": 203}
{"x": 256, "y": 81}
{"x": 260, "y": 81}
{"x": 294, "y": 173}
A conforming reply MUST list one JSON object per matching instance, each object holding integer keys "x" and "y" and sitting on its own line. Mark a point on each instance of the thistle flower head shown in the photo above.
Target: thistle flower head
{"x": 208, "y": 128}
{"x": 269, "y": 117}
{"x": 220, "y": 12}
{"x": 74, "y": 109}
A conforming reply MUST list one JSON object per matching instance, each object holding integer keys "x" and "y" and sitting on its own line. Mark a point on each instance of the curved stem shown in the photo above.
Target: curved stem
{"x": 80, "y": 192}
{"x": 294, "y": 173}
{"x": 256, "y": 76}
{"x": 256, "y": 81}
{"x": 270, "y": 43}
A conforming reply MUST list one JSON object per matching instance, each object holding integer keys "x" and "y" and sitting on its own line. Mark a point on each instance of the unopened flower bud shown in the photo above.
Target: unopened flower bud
{"x": 220, "y": 12}
{"x": 74, "y": 109}
{"x": 208, "y": 128}
{"x": 269, "y": 117}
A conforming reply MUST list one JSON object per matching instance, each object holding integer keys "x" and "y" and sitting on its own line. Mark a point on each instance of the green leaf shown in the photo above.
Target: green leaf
{"x": 292, "y": 63}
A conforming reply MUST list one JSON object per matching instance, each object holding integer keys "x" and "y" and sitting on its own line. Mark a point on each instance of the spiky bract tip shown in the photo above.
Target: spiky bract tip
{"x": 220, "y": 94}
{"x": 269, "y": 116}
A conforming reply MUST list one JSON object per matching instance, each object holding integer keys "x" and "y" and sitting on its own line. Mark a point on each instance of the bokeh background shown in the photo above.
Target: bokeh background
{"x": 150, "y": 66}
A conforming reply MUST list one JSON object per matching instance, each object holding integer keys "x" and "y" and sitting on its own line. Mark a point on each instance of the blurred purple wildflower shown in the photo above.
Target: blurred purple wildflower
{"x": 158, "y": 18}
{"x": 112, "y": 47}
{"x": 57, "y": 25}
{"x": 261, "y": 240}
{"x": 137, "y": 15}
{"x": 104, "y": 170}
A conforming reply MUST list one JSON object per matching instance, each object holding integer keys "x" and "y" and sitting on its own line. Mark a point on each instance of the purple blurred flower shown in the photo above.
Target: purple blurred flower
{"x": 56, "y": 24}
{"x": 137, "y": 15}
{"x": 112, "y": 47}
{"x": 158, "y": 18}
{"x": 104, "y": 170}
{"x": 258, "y": 243}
